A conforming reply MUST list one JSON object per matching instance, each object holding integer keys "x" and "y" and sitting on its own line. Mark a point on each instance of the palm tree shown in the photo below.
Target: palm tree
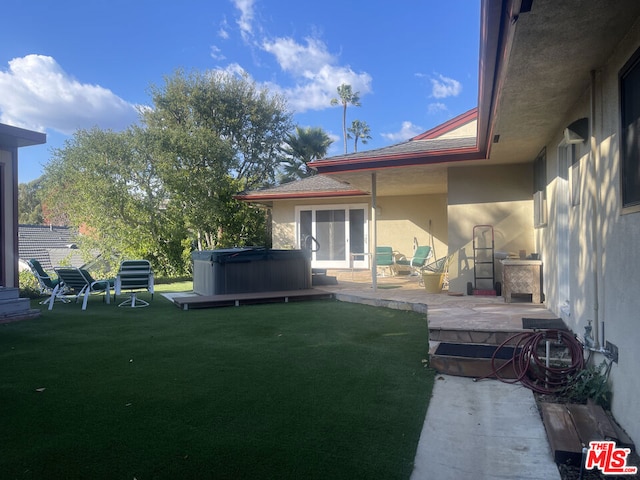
{"x": 359, "y": 130}
{"x": 347, "y": 96}
{"x": 302, "y": 147}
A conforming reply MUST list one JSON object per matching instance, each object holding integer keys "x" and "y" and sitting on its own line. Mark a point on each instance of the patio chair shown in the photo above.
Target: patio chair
{"x": 46, "y": 284}
{"x": 134, "y": 275}
{"x": 417, "y": 261}
{"x": 79, "y": 283}
{"x": 385, "y": 260}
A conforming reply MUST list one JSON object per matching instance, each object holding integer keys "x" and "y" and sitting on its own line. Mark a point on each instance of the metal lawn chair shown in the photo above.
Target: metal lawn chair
{"x": 46, "y": 284}
{"x": 134, "y": 276}
{"x": 78, "y": 283}
{"x": 385, "y": 260}
{"x": 419, "y": 259}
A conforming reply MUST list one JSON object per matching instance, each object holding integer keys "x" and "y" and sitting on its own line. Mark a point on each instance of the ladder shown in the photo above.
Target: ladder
{"x": 484, "y": 270}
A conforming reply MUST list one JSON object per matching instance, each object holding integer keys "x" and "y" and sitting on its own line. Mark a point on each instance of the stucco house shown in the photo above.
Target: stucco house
{"x": 550, "y": 158}
{"x": 11, "y": 139}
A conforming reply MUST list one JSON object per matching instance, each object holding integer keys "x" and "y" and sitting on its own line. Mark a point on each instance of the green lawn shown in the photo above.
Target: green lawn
{"x": 320, "y": 389}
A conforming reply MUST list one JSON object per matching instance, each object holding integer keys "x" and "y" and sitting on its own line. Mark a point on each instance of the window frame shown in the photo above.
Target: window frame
{"x": 630, "y": 201}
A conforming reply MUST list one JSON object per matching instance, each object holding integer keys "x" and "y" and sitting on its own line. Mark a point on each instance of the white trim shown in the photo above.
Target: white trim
{"x": 347, "y": 261}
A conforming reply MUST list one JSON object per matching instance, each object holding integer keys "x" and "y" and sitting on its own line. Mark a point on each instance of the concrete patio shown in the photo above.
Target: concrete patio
{"x": 446, "y": 310}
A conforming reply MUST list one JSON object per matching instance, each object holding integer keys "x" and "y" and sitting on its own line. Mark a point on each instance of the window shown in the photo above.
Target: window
{"x": 540, "y": 189}
{"x": 630, "y": 135}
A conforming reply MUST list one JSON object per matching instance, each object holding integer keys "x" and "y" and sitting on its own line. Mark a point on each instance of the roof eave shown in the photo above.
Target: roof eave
{"x": 497, "y": 20}
{"x": 400, "y": 160}
{"x": 297, "y": 195}
{"x": 15, "y": 137}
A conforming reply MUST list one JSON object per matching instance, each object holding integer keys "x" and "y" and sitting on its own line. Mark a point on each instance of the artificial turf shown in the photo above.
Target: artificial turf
{"x": 304, "y": 390}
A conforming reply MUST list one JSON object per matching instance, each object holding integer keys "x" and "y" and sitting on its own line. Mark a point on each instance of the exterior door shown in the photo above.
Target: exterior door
{"x": 335, "y": 234}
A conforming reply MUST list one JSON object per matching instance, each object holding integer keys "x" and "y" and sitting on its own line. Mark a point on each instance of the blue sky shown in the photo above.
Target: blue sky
{"x": 77, "y": 64}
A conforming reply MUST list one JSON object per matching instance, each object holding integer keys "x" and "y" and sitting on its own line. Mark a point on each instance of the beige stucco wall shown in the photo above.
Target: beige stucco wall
{"x": 604, "y": 263}
{"x": 283, "y": 224}
{"x": 400, "y": 220}
{"x": 494, "y": 195}
{"x": 405, "y": 218}
{"x": 283, "y": 216}
{"x": 6, "y": 190}
{"x": 468, "y": 130}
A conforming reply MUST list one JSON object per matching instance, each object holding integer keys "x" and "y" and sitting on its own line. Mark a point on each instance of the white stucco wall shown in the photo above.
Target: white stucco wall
{"x": 604, "y": 263}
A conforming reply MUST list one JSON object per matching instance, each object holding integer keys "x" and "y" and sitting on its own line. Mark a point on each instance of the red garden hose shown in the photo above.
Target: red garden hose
{"x": 530, "y": 369}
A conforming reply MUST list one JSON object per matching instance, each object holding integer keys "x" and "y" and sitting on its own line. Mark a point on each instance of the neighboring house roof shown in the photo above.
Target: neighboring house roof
{"x": 316, "y": 186}
{"x": 51, "y": 246}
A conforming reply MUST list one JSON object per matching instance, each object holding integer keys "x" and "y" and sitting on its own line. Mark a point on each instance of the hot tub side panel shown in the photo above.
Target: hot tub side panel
{"x": 250, "y": 271}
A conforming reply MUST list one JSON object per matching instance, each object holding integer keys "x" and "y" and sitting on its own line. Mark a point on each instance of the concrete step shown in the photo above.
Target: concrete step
{"x": 472, "y": 360}
{"x": 7, "y": 293}
{"x": 14, "y": 306}
{"x": 323, "y": 280}
{"x": 486, "y": 337}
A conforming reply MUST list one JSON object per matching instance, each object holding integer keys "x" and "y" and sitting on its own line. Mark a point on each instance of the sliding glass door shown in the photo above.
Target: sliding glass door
{"x": 336, "y": 234}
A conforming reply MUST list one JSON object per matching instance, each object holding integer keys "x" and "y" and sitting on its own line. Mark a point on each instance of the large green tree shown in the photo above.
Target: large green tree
{"x": 29, "y": 203}
{"x": 300, "y": 148}
{"x": 359, "y": 130}
{"x": 107, "y": 184}
{"x": 219, "y": 134}
{"x": 346, "y": 96}
{"x": 161, "y": 189}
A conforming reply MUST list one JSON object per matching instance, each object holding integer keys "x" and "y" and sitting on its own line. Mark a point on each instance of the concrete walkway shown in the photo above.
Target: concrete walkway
{"x": 472, "y": 430}
{"x": 482, "y": 430}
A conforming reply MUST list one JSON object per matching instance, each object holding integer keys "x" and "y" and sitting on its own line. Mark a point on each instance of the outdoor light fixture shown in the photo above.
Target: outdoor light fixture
{"x": 577, "y": 132}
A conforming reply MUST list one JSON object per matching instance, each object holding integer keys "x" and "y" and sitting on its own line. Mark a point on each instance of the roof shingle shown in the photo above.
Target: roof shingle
{"x": 49, "y": 245}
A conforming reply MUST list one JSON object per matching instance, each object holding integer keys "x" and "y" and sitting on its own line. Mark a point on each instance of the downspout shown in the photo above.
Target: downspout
{"x": 374, "y": 233}
{"x": 596, "y": 212}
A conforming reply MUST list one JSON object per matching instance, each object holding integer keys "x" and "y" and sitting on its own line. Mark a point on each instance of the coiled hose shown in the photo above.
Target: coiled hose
{"x": 532, "y": 370}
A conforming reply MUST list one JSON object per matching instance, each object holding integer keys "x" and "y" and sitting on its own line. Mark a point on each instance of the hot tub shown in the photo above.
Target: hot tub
{"x": 248, "y": 270}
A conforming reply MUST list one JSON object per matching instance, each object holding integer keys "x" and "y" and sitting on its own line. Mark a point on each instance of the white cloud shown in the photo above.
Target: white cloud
{"x": 36, "y": 93}
{"x": 408, "y": 130}
{"x": 443, "y": 87}
{"x": 315, "y": 72}
{"x": 216, "y": 53}
{"x": 245, "y": 22}
{"x": 233, "y": 69}
{"x": 299, "y": 59}
{"x": 436, "y": 107}
{"x": 223, "y": 32}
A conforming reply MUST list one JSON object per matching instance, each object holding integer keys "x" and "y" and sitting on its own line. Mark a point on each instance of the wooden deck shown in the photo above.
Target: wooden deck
{"x": 237, "y": 299}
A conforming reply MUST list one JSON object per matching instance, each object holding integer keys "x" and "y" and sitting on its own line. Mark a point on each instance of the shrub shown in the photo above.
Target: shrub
{"x": 28, "y": 283}
{"x": 590, "y": 383}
